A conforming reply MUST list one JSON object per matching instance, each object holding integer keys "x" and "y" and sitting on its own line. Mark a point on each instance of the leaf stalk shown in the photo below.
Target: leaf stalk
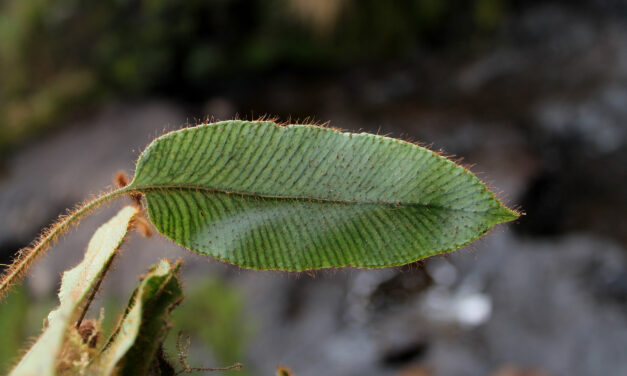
{"x": 26, "y": 256}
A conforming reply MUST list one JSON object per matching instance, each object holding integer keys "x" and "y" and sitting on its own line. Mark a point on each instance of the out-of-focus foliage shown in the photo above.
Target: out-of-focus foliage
{"x": 13, "y": 312}
{"x": 58, "y": 56}
{"x": 20, "y": 318}
{"x": 212, "y": 315}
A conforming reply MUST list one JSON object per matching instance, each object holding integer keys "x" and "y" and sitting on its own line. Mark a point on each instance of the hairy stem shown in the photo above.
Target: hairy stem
{"x": 26, "y": 256}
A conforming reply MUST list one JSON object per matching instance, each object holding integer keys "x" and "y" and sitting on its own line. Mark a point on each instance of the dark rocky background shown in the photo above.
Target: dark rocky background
{"x": 532, "y": 94}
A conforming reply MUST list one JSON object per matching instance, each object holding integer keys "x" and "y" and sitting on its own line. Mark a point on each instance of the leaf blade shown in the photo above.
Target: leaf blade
{"x": 76, "y": 283}
{"x": 133, "y": 346}
{"x": 249, "y": 173}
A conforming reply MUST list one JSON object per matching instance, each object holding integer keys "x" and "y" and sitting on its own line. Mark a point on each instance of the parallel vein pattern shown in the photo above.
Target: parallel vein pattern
{"x": 301, "y": 197}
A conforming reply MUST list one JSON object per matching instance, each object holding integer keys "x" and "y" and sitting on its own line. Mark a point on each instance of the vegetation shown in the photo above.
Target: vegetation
{"x": 258, "y": 195}
{"x": 63, "y": 55}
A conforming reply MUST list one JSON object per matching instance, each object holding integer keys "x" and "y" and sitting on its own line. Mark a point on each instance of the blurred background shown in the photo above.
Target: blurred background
{"x": 532, "y": 94}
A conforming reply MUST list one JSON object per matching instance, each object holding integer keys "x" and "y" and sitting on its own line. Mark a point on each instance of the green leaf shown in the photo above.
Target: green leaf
{"x": 133, "y": 347}
{"x": 298, "y": 197}
{"x": 43, "y": 357}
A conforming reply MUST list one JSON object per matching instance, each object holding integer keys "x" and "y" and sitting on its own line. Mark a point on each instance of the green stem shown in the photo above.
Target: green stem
{"x": 27, "y": 255}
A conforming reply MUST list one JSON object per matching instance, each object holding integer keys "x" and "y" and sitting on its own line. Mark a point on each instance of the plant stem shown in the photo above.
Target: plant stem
{"x": 26, "y": 256}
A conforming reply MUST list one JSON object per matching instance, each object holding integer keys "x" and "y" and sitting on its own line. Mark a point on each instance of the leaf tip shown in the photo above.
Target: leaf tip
{"x": 506, "y": 214}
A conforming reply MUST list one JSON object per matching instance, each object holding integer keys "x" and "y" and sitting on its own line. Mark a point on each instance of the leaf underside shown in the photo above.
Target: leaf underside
{"x": 76, "y": 284}
{"x": 136, "y": 340}
{"x": 299, "y": 197}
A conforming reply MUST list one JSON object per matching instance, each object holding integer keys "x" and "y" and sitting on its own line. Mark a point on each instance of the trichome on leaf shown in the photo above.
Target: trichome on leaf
{"x": 298, "y": 197}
